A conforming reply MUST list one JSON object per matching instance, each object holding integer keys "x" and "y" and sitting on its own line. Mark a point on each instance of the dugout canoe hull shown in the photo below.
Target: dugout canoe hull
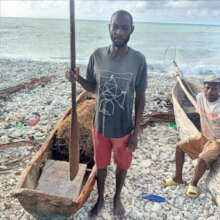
{"x": 42, "y": 205}
{"x": 183, "y": 109}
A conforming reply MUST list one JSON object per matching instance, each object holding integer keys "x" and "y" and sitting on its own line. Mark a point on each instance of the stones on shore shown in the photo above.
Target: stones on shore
{"x": 152, "y": 161}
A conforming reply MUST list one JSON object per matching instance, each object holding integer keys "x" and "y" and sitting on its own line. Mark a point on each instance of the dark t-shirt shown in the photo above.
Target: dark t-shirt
{"x": 116, "y": 81}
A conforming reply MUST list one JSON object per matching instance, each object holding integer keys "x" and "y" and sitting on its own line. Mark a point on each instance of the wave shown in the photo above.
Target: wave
{"x": 187, "y": 69}
{"x": 153, "y": 66}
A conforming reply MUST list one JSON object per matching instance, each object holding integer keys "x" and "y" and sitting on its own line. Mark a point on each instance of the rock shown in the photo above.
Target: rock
{"x": 147, "y": 163}
{"x": 152, "y": 161}
{"x": 156, "y": 207}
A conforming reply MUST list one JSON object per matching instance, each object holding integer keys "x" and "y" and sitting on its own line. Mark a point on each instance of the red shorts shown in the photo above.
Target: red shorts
{"x": 103, "y": 149}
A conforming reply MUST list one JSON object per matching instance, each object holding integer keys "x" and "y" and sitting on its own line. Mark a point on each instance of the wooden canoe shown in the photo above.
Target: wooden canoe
{"x": 43, "y": 205}
{"x": 188, "y": 124}
{"x": 186, "y": 117}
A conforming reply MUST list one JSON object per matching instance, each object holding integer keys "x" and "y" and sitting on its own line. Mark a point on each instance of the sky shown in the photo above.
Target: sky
{"x": 160, "y": 11}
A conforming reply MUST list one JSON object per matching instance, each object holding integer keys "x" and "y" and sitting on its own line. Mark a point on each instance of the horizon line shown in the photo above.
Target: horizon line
{"x": 105, "y": 20}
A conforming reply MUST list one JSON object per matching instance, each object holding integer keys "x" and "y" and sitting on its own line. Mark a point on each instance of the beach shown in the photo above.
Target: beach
{"x": 152, "y": 161}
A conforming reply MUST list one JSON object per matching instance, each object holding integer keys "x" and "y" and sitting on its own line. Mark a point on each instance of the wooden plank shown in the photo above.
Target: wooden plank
{"x": 44, "y": 206}
{"x": 54, "y": 180}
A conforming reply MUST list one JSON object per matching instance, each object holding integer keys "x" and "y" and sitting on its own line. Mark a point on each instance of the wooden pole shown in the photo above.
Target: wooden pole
{"x": 74, "y": 131}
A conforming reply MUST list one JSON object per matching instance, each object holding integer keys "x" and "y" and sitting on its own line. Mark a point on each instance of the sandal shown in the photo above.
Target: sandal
{"x": 169, "y": 182}
{"x": 192, "y": 191}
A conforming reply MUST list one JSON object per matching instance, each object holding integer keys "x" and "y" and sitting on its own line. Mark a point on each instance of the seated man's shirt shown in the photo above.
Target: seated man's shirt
{"x": 209, "y": 117}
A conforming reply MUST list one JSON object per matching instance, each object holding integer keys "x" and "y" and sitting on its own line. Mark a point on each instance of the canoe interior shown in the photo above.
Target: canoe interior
{"x": 187, "y": 119}
{"x": 51, "y": 154}
{"x": 43, "y": 205}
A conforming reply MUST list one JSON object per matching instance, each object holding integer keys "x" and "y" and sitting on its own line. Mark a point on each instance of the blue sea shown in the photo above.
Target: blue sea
{"x": 196, "y": 48}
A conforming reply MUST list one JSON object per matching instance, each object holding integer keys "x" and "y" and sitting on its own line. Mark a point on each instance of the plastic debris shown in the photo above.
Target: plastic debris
{"x": 36, "y": 137}
{"x": 152, "y": 197}
{"x": 19, "y": 126}
{"x": 172, "y": 125}
{"x": 169, "y": 96}
{"x": 34, "y": 121}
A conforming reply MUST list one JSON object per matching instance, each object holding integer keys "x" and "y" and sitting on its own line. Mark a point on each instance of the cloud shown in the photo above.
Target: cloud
{"x": 180, "y": 4}
{"x": 189, "y": 11}
{"x": 216, "y": 12}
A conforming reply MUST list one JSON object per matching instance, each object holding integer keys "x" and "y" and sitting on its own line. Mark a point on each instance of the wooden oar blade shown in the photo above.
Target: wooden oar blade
{"x": 74, "y": 149}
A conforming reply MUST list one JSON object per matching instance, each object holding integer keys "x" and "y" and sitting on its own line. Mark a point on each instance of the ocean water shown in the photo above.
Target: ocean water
{"x": 196, "y": 48}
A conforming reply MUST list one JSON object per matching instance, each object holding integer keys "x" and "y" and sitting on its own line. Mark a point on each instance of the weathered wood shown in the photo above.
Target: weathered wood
{"x": 17, "y": 144}
{"x": 189, "y": 96}
{"x": 54, "y": 180}
{"x": 213, "y": 181}
{"x": 185, "y": 126}
{"x": 158, "y": 117}
{"x": 29, "y": 85}
{"x": 46, "y": 146}
{"x": 74, "y": 131}
{"x": 43, "y": 205}
{"x": 87, "y": 188}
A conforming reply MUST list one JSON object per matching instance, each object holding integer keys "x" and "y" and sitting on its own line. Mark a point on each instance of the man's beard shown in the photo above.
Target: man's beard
{"x": 212, "y": 98}
{"x": 119, "y": 44}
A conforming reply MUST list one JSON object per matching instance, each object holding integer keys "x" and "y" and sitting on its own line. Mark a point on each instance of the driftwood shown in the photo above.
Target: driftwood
{"x": 27, "y": 85}
{"x": 4, "y": 168}
{"x": 148, "y": 119}
{"x": 5, "y": 171}
{"x": 17, "y": 144}
{"x": 7, "y": 163}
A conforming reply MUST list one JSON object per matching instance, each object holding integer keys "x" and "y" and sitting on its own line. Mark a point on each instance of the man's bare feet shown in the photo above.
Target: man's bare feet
{"x": 119, "y": 210}
{"x": 179, "y": 180}
{"x": 96, "y": 210}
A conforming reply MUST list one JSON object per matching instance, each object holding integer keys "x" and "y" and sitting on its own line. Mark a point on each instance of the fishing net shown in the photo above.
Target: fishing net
{"x": 85, "y": 112}
{"x": 171, "y": 55}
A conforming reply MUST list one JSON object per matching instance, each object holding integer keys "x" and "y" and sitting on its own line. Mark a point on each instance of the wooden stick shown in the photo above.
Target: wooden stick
{"x": 30, "y": 85}
{"x": 14, "y": 161}
{"x": 16, "y": 144}
{"x": 74, "y": 131}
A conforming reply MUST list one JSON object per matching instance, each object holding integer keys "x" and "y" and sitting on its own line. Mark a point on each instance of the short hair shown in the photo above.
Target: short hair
{"x": 123, "y": 12}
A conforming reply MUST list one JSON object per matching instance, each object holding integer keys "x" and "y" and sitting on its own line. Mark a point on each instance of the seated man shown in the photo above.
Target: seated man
{"x": 206, "y": 145}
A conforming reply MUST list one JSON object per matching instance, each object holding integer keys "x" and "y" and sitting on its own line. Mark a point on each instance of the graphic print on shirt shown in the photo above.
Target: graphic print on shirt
{"x": 113, "y": 91}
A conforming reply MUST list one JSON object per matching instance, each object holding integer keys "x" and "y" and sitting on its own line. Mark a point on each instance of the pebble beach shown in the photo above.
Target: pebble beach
{"x": 152, "y": 161}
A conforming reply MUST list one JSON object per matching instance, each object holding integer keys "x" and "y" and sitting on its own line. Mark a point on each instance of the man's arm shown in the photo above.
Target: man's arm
{"x": 75, "y": 76}
{"x": 86, "y": 85}
{"x": 139, "y": 109}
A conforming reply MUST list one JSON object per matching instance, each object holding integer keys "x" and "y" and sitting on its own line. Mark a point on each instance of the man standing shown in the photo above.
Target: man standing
{"x": 206, "y": 145}
{"x": 115, "y": 74}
